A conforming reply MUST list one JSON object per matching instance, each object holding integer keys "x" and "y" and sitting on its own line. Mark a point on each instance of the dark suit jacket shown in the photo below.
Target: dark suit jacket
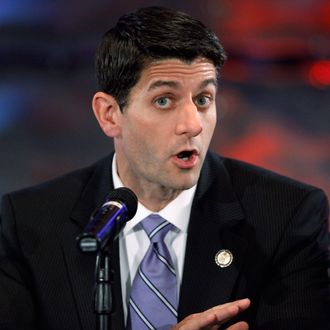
{"x": 276, "y": 229}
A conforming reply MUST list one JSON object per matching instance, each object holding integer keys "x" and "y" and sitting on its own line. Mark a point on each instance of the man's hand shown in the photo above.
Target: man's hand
{"x": 215, "y": 316}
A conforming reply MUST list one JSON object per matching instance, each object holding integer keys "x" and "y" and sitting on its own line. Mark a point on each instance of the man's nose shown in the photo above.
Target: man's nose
{"x": 189, "y": 120}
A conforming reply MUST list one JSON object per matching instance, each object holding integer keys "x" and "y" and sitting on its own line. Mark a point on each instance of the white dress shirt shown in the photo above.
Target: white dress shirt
{"x": 134, "y": 242}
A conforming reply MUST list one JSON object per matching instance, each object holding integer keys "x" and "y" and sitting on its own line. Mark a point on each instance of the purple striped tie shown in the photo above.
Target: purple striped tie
{"x": 153, "y": 301}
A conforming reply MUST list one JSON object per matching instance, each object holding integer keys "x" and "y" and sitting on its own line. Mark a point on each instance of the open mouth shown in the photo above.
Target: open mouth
{"x": 186, "y": 159}
{"x": 186, "y": 154}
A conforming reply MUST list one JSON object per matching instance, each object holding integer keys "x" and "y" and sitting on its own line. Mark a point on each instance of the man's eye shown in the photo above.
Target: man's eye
{"x": 203, "y": 101}
{"x": 162, "y": 101}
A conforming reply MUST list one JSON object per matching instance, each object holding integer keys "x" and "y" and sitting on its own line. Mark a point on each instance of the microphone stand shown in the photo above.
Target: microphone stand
{"x": 104, "y": 226}
{"x": 103, "y": 291}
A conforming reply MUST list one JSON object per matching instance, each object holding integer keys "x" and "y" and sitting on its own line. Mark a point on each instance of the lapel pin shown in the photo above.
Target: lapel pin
{"x": 223, "y": 258}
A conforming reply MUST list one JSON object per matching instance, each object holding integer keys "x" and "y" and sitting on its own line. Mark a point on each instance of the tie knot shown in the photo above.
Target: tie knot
{"x": 156, "y": 227}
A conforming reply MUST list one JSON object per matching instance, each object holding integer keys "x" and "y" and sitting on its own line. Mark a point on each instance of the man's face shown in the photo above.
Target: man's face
{"x": 167, "y": 126}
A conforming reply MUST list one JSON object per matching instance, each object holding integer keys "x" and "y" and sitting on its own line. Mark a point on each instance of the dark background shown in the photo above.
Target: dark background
{"x": 274, "y": 101}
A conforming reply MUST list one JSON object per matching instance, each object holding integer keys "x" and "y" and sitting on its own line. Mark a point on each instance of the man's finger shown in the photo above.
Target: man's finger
{"x": 239, "y": 326}
{"x": 215, "y": 316}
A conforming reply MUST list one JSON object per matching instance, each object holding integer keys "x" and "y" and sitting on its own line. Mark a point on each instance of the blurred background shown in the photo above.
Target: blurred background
{"x": 274, "y": 100}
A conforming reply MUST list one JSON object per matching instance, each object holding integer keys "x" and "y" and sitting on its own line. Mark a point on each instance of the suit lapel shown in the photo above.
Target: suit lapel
{"x": 80, "y": 266}
{"x": 215, "y": 214}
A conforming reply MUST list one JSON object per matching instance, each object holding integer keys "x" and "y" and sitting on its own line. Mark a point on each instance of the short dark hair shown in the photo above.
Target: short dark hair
{"x": 150, "y": 34}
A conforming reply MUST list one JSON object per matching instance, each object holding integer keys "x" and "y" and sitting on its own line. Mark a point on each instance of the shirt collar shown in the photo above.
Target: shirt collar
{"x": 176, "y": 212}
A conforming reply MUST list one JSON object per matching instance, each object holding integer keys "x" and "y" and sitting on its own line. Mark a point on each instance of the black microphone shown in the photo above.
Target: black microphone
{"x": 107, "y": 221}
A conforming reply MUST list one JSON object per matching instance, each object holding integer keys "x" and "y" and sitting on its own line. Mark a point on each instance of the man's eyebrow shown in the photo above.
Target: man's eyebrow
{"x": 174, "y": 84}
{"x": 207, "y": 82}
{"x": 161, "y": 83}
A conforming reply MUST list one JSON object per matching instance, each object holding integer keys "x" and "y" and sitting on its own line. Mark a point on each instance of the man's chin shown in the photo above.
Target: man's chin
{"x": 184, "y": 184}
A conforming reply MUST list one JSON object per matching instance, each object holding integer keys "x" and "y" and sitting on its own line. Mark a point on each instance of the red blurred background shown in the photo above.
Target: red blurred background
{"x": 274, "y": 101}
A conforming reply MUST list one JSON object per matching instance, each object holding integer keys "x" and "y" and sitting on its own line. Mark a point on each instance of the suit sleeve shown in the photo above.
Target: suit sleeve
{"x": 16, "y": 299}
{"x": 297, "y": 293}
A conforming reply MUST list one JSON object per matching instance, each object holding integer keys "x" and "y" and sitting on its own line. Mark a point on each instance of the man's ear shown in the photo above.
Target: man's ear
{"x": 107, "y": 113}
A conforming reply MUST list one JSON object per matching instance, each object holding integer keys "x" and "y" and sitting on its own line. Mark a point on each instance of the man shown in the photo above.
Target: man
{"x": 236, "y": 231}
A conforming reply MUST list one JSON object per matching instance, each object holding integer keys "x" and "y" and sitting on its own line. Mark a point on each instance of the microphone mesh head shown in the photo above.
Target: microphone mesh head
{"x": 125, "y": 196}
